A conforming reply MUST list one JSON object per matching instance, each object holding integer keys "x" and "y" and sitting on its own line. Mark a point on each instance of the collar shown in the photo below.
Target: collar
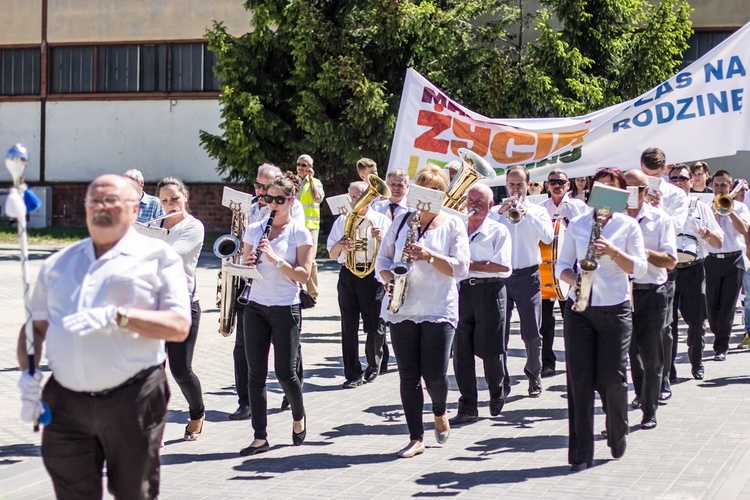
{"x": 129, "y": 244}
{"x": 646, "y": 211}
{"x": 483, "y": 227}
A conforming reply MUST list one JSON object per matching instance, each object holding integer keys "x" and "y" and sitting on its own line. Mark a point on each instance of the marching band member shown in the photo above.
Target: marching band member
{"x": 481, "y": 308}
{"x": 690, "y": 286}
{"x": 597, "y": 339}
{"x": 701, "y": 176}
{"x": 359, "y": 295}
{"x": 422, "y": 329}
{"x": 398, "y": 182}
{"x": 148, "y": 206}
{"x": 559, "y": 206}
{"x": 725, "y": 268}
{"x": 272, "y": 315}
{"x": 650, "y": 311}
{"x": 523, "y": 287}
{"x": 185, "y": 235}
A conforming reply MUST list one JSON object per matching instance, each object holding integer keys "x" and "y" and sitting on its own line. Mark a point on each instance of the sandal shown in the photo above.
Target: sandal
{"x": 193, "y": 435}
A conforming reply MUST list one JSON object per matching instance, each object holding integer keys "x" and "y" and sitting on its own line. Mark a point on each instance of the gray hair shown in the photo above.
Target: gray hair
{"x": 134, "y": 174}
{"x": 558, "y": 172}
{"x": 398, "y": 173}
{"x": 307, "y": 158}
{"x": 269, "y": 170}
{"x": 361, "y": 185}
{"x": 484, "y": 189}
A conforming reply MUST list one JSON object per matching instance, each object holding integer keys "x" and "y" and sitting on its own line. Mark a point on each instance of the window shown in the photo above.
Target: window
{"x": 701, "y": 43}
{"x": 117, "y": 68}
{"x": 19, "y": 71}
{"x": 72, "y": 70}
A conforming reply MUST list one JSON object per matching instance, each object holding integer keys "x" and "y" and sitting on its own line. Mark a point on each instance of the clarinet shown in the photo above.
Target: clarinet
{"x": 244, "y": 297}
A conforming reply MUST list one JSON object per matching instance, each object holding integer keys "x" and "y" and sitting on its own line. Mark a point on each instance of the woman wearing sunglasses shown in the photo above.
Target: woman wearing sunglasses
{"x": 272, "y": 316}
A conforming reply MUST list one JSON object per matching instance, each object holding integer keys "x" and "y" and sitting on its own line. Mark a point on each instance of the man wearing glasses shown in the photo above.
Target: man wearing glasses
{"x": 559, "y": 206}
{"x": 690, "y": 285}
{"x": 310, "y": 195}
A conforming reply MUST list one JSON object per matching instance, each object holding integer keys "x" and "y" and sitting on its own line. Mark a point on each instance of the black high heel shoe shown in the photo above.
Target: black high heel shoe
{"x": 253, "y": 450}
{"x": 298, "y": 439}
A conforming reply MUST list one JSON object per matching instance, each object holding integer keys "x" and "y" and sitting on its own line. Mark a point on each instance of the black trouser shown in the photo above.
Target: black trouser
{"x": 723, "y": 281}
{"x": 480, "y": 332}
{"x": 360, "y": 296}
{"x": 277, "y": 325}
{"x": 596, "y": 348}
{"x": 548, "y": 332}
{"x": 523, "y": 291}
{"x": 241, "y": 368}
{"x": 180, "y": 356}
{"x": 690, "y": 301}
{"x": 646, "y": 347}
{"x": 669, "y": 343}
{"x": 123, "y": 427}
{"x": 422, "y": 352}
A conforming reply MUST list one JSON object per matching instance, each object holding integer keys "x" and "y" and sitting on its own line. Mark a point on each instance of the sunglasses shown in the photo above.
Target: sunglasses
{"x": 680, "y": 178}
{"x": 302, "y": 165}
{"x": 557, "y": 182}
{"x": 279, "y": 200}
{"x": 259, "y": 185}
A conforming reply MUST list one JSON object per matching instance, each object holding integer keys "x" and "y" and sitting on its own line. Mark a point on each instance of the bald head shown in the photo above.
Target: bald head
{"x": 635, "y": 178}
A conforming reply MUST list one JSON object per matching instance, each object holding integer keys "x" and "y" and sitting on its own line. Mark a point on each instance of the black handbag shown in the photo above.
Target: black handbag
{"x": 306, "y": 301}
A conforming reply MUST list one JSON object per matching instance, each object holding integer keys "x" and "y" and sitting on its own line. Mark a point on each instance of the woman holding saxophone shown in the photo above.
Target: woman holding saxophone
{"x": 597, "y": 331}
{"x": 435, "y": 247}
{"x": 272, "y": 316}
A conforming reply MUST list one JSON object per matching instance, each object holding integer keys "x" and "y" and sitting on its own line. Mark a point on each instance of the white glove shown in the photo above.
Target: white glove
{"x": 31, "y": 395}
{"x": 89, "y": 320}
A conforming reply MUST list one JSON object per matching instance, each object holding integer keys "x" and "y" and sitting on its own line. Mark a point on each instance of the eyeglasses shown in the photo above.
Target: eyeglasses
{"x": 557, "y": 182}
{"x": 108, "y": 201}
{"x": 536, "y": 184}
{"x": 259, "y": 185}
{"x": 279, "y": 200}
{"x": 679, "y": 178}
{"x": 302, "y": 165}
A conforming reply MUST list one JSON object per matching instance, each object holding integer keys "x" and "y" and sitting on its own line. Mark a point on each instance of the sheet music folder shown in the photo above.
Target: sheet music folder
{"x": 608, "y": 197}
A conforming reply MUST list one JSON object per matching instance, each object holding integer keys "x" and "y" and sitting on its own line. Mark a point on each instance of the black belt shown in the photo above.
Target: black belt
{"x": 727, "y": 255}
{"x": 684, "y": 265}
{"x": 525, "y": 270}
{"x": 479, "y": 281}
{"x": 645, "y": 286}
{"x": 132, "y": 380}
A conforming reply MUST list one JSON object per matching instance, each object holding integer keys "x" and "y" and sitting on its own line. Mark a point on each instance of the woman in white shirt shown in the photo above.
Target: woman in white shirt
{"x": 272, "y": 315}
{"x": 597, "y": 339}
{"x": 580, "y": 187}
{"x": 185, "y": 235}
{"x": 422, "y": 329}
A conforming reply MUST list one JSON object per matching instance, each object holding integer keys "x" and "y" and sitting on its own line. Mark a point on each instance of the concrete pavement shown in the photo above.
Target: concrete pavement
{"x": 700, "y": 449}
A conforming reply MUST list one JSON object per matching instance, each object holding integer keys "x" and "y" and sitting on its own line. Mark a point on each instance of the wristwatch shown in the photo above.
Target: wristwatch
{"x": 280, "y": 263}
{"x": 122, "y": 317}
{"x": 431, "y": 259}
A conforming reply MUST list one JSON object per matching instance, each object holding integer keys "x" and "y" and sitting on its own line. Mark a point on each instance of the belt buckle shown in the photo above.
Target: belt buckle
{"x": 472, "y": 281}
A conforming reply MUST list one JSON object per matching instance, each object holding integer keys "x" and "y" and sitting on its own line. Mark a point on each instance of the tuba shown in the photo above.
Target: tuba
{"x": 588, "y": 266}
{"x": 473, "y": 168}
{"x": 378, "y": 188}
{"x": 402, "y": 269}
{"x": 724, "y": 203}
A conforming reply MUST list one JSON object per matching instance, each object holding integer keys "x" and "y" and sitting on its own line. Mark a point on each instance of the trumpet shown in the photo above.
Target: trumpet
{"x": 724, "y": 203}
{"x": 514, "y": 215}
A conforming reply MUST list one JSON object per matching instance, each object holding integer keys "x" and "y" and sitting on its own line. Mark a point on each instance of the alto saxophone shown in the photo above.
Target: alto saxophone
{"x": 588, "y": 266}
{"x": 402, "y": 269}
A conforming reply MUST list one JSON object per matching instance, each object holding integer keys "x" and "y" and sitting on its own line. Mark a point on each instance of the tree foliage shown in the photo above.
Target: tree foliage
{"x": 324, "y": 77}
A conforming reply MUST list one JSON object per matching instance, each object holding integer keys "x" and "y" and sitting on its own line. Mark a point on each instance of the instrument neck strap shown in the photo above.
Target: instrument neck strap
{"x": 421, "y": 231}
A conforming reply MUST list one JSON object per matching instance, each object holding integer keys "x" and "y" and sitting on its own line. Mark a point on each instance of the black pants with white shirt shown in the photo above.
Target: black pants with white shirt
{"x": 690, "y": 301}
{"x": 723, "y": 281}
{"x": 523, "y": 289}
{"x": 180, "y": 356}
{"x": 647, "y": 356}
{"x": 548, "y": 332}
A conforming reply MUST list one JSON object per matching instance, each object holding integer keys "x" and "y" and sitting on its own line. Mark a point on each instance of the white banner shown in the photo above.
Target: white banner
{"x": 699, "y": 113}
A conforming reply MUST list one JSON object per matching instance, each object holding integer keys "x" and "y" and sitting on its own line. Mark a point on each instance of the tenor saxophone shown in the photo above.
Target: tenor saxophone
{"x": 588, "y": 266}
{"x": 402, "y": 269}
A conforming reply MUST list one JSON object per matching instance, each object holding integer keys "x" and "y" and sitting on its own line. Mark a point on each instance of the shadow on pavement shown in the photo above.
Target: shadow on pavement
{"x": 528, "y": 418}
{"x": 724, "y": 381}
{"x": 530, "y": 444}
{"x": 460, "y": 482}
{"x": 310, "y": 461}
{"x": 358, "y": 429}
{"x": 20, "y": 450}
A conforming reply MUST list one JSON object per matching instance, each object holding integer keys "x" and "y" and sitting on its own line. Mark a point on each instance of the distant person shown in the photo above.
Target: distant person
{"x": 149, "y": 207}
{"x": 365, "y": 167}
{"x": 580, "y": 188}
{"x": 536, "y": 188}
{"x": 701, "y": 178}
{"x": 310, "y": 195}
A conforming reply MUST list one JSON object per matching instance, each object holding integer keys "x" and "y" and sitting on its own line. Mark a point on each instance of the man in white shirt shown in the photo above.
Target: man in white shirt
{"x": 481, "y": 309}
{"x": 523, "y": 286}
{"x": 559, "y": 206}
{"x": 398, "y": 182}
{"x": 105, "y": 306}
{"x": 359, "y": 296}
{"x": 650, "y": 307}
{"x": 725, "y": 267}
{"x": 699, "y": 231}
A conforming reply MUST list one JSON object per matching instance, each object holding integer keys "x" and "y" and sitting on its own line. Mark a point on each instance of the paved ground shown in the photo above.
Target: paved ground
{"x": 701, "y": 448}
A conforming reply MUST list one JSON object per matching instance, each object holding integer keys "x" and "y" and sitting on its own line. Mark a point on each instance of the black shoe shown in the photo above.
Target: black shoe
{"x": 384, "y": 368}
{"x": 619, "y": 450}
{"x": 698, "y": 373}
{"x": 664, "y": 396}
{"x": 548, "y": 372}
{"x": 648, "y": 423}
{"x": 253, "y": 450}
{"x": 298, "y": 439}
{"x": 285, "y": 404}
{"x": 579, "y": 467}
{"x": 351, "y": 384}
{"x": 241, "y": 413}
{"x": 370, "y": 375}
{"x": 535, "y": 392}
{"x": 496, "y": 407}
{"x": 463, "y": 418}
{"x": 636, "y": 403}
{"x": 720, "y": 356}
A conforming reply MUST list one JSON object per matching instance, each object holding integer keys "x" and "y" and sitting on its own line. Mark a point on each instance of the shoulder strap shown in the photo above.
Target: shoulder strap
{"x": 408, "y": 216}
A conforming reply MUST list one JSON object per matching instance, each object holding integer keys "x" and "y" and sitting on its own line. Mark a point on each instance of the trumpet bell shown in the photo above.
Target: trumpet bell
{"x": 226, "y": 246}
{"x": 723, "y": 204}
{"x": 477, "y": 163}
{"x": 514, "y": 216}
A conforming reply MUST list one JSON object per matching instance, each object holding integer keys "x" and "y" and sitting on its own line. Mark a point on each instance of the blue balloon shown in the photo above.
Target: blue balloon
{"x": 31, "y": 200}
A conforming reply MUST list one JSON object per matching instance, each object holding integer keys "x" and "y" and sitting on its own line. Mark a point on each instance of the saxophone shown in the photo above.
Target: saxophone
{"x": 588, "y": 266}
{"x": 402, "y": 269}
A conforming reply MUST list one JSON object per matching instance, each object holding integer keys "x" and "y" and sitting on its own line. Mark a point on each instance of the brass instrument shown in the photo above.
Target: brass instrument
{"x": 402, "y": 269}
{"x": 228, "y": 248}
{"x": 588, "y": 265}
{"x": 724, "y": 203}
{"x": 473, "y": 168}
{"x": 514, "y": 215}
{"x": 378, "y": 188}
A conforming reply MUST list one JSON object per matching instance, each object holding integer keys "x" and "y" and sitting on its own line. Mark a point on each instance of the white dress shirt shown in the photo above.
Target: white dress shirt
{"x": 611, "y": 284}
{"x": 700, "y": 215}
{"x": 568, "y": 208}
{"x": 674, "y": 202}
{"x": 432, "y": 296}
{"x": 733, "y": 241}
{"x": 138, "y": 272}
{"x": 658, "y": 235}
{"x": 384, "y": 207}
{"x": 491, "y": 242}
{"x": 187, "y": 240}
{"x": 375, "y": 219}
{"x": 536, "y": 225}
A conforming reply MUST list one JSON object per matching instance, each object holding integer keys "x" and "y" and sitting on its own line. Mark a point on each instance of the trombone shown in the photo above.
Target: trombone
{"x": 724, "y": 203}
